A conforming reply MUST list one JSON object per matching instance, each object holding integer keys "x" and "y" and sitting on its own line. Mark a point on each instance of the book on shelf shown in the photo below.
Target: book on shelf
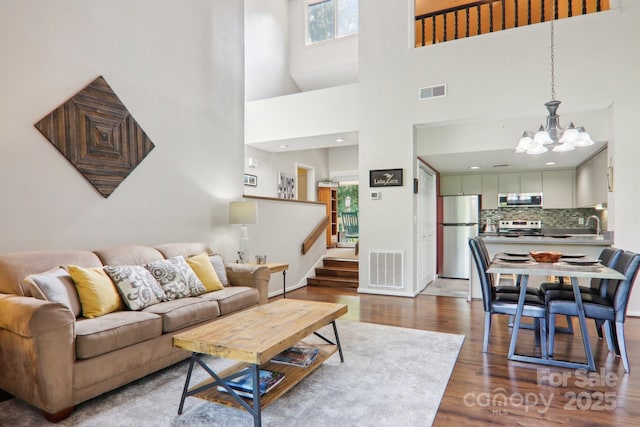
{"x": 243, "y": 385}
{"x": 297, "y": 356}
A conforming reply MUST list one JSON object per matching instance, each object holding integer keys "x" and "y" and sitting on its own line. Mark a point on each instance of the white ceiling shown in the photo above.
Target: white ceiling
{"x": 507, "y": 160}
{"x": 307, "y": 143}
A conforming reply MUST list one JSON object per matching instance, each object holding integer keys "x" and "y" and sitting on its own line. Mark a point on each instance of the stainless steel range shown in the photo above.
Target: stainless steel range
{"x": 517, "y": 227}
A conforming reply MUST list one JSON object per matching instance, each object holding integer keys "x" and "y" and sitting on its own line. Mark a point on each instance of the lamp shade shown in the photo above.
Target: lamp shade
{"x": 243, "y": 212}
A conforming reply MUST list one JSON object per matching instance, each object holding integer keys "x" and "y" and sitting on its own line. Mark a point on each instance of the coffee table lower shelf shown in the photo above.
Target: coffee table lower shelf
{"x": 292, "y": 376}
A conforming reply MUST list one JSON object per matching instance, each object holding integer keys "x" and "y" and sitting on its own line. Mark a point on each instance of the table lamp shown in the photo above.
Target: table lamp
{"x": 243, "y": 213}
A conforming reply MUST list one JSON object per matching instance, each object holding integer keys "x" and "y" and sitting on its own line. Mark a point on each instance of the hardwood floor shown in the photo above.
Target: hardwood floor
{"x": 486, "y": 388}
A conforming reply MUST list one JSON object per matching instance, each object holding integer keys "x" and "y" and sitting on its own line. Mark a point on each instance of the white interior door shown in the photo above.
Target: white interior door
{"x": 426, "y": 227}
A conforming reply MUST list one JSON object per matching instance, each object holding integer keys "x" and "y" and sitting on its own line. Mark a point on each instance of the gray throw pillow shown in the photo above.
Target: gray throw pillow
{"x": 176, "y": 278}
{"x": 56, "y": 286}
{"x": 221, "y": 271}
{"x": 137, "y": 287}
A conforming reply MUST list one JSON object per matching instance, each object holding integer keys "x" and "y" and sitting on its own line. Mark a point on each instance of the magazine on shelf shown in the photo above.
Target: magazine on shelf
{"x": 243, "y": 385}
{"x": 297, "y": 356}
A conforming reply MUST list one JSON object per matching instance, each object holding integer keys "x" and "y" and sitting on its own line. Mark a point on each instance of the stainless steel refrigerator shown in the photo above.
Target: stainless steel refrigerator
{"x": 460, "y": 218}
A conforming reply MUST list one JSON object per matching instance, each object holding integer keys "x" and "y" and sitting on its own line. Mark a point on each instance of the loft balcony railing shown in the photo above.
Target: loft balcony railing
{"x": 487, "y": 16}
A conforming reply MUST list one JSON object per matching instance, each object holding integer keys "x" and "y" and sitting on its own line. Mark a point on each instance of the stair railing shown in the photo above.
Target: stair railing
{"x": 315, "y": 235}
{"x": 502, "y": 14}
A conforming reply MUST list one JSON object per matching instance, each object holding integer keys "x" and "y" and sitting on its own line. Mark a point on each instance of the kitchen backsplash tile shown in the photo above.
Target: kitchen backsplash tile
{"x": 551, "y": 218}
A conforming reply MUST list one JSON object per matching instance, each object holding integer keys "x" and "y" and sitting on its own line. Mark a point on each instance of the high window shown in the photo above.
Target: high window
{"x": 330, "y": 19}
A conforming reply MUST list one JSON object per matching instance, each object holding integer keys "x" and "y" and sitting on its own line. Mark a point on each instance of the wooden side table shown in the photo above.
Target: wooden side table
{"x": 275, "y": 267}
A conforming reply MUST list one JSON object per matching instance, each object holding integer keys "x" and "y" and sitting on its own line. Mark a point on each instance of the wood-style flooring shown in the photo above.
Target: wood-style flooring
{"x": 486, "y": 388}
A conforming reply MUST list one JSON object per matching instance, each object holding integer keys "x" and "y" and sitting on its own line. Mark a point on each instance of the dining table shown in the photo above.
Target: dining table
{"x": 525, "y": 267}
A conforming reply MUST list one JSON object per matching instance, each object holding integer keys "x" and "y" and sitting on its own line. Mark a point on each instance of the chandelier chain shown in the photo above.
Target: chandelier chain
{"x": 553, "y": 64}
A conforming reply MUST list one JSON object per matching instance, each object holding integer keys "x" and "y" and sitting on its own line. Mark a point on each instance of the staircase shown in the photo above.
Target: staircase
{"x": 336, "y": 273}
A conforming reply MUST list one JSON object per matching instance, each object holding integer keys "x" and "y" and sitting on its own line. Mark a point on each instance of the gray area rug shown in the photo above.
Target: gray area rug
{"x": 447, "y": 288}
{"x": 391, "y": 376}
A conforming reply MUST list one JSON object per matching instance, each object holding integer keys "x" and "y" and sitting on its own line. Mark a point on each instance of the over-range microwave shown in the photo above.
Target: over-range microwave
{"x": 511, "y": 200}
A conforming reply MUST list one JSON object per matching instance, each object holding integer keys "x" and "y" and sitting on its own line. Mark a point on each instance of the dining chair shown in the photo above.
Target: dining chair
{"x": 610, "y": 306}
{"x": 513, "y": 289}
{"x": 495, "y": 302}
{"x": 608, "y": 257}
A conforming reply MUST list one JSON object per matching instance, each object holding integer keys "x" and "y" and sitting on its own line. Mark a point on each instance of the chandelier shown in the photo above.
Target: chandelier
{"x": 552, "y": 135}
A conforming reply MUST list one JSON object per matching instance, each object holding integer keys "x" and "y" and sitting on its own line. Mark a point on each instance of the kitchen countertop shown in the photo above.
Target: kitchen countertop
{"x": 575, "y": 239}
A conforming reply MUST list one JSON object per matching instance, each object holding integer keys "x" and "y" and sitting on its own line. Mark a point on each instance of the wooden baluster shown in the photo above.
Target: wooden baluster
{"x": 423, "y": 35}
{"x": 433, "y": 30}
{"x": 467, "y": 26}
{"x": 455, "y": 32}
{"x": 570, "y": 8}
{"x": 444, "y": 19}
{"x": 490, "y": 17}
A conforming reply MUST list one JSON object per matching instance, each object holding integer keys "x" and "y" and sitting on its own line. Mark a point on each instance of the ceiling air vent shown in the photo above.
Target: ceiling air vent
{"x": 432, "y": 92}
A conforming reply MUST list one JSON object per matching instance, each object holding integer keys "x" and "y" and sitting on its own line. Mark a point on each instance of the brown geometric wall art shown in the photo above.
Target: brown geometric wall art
{"x": 98, "y": 135}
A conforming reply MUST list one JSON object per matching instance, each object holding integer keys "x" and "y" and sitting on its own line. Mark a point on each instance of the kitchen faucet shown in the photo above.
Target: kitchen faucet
{"x": 597, "y": 223}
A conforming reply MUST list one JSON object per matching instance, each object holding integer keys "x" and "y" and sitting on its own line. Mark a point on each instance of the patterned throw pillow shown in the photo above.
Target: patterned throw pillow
{"x": 136, "y": 285}
{"x": 176, "y": 278}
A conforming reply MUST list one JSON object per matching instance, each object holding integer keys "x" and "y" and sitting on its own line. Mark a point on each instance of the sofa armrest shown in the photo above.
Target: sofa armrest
{"x": 255, "y": 276}
{"x": 37, "y": 351}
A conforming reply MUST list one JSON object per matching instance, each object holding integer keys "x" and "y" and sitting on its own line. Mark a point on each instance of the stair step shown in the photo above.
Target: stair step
{"x": 345, "y": 263}
{"x": 333, "y": 282}
{"x": 337, "y": 272}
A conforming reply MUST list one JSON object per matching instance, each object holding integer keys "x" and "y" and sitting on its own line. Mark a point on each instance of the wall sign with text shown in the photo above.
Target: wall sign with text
{"x": 385, "y": 178}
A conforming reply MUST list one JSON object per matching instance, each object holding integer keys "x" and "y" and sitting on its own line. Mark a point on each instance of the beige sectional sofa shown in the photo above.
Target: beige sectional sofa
{"x": 53, "y": 358}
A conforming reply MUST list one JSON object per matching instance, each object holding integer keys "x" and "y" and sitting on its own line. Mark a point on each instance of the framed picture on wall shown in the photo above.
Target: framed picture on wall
{"x": 385, "y": 178}
{"x": 250, "y": 180}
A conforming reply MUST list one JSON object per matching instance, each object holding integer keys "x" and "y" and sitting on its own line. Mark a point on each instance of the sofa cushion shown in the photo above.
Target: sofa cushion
{"x": 180, "y": 313}
{"x": 169, "y": 250}
{"x": 176, "y": 278}
{"x": 98, "y": 296}
{"x": 233, "y": 298}
{"x": 205, "y": 272}
{"x": 54, "y": 285}
{"x": 136, "y": 285}
{"x": 129, "y": 255}
{"x": 219, "y": 267}
{"x": 114, "y": 331}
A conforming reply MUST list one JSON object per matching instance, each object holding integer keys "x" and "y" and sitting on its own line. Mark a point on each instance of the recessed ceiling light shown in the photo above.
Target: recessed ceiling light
{"x": 284, "y": 146}
{"x": 550, "y": 163}
{"x": 474, "y": 167}
{"x": 339, "y": 139}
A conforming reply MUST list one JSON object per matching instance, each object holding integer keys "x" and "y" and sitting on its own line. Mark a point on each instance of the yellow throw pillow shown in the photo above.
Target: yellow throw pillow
{"x": 98, "y": 295}
{"x": 201, "y": 265}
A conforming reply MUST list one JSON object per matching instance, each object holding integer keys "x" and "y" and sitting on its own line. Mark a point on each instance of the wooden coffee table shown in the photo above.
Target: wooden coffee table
{"x": 253, "y": 337}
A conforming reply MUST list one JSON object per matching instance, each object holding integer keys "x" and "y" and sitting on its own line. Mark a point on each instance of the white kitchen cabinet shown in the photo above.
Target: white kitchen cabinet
{"x": 509, "y": 182}
{"x": 531, "y": 182}
{"x": 523, "y": 182}
{"x": 490, "y": 191}
{"x": 452, "y": 185}
{"x": 558, "y": 189}
{"x": 471, "y": 184}
{"x": 591, "y": 181}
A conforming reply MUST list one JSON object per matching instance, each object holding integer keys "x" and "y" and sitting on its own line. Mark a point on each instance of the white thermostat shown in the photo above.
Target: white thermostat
{"x": 375, "y": 195}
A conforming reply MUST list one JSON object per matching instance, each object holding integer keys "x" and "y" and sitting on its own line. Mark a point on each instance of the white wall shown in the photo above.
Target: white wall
{"x": 318, "y": 112}
{"x": 319, "y": 65}
{"x": 178, "y": 70}
{"x": 266, "y": 33}
{"x": 343, "y": 158}
{"x": 290, "y": 222}
{"x": 272, "y": 163}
